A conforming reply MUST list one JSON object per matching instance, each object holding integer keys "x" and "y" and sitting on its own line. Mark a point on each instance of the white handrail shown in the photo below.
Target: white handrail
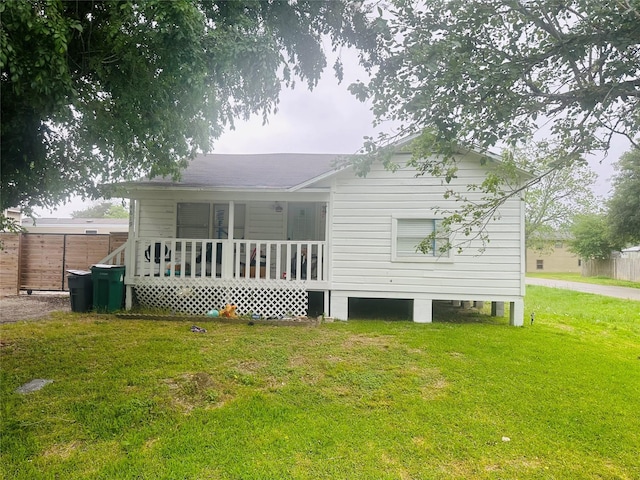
{"x": 117, "y": 257}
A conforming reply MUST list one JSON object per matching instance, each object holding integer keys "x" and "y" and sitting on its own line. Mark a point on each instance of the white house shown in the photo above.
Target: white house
{"x": 88, "y": 226}
{"x": 265, "y": 231}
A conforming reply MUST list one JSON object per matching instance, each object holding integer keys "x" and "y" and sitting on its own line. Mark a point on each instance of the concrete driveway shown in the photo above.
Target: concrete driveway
{"x": 618, "y": 292}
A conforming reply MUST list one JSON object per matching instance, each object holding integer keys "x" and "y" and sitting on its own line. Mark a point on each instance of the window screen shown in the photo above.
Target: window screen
{"x": 412, "y": 231}
{"x": 193, "y": 220}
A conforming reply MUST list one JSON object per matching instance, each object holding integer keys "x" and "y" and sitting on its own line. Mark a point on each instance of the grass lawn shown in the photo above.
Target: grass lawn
{"x": 576, "y": 277}
{"x": 465, "y": 397}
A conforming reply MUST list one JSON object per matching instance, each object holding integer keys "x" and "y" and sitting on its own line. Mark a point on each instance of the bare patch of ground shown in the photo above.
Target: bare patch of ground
{"x": 38, "y": 306}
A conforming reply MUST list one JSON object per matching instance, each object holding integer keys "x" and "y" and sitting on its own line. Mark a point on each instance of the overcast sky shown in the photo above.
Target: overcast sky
{"x": 327, "y": 120}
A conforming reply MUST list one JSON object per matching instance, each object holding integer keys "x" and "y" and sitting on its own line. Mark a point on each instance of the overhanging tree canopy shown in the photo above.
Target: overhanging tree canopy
{"x": 100, "y": 91}
{"x": 480, "y": 72}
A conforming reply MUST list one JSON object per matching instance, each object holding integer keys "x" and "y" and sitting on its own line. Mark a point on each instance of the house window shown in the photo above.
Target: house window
{"x": 579, "y": 262}
{"x": 206, "y": 220}
{"x": 410, "y": 232}
{"x": 193, "y": 220}
{"x": 539, "y": 264}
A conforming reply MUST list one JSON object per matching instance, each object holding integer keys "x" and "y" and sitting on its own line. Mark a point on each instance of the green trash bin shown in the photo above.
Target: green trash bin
{"x": 108, "y": 287}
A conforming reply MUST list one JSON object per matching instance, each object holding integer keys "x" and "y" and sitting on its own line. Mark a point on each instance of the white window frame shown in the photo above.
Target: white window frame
{"x": 417, "y": 257}
{"x": 204, "y": 223}
{"x": 210, "y": 224}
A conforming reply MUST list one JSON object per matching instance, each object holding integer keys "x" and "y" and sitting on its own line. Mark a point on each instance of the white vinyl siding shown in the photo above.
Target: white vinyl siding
{"x": 362, "y": 239}
{"x": 157, "y": 218}
{"x": 264, "y": 222}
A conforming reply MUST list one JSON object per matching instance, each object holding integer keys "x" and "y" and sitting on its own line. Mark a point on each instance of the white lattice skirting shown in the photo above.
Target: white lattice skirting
{"x": 269, "y": 298}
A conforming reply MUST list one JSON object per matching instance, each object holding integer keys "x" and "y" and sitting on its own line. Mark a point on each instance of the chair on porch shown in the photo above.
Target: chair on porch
{"x": 157, "y": 255}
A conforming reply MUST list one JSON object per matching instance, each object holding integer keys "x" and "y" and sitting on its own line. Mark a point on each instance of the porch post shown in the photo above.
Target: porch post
{"x": 422, "y": 310}
{"x": 227, "y": 257}
{"x": 128, "y": 298}
{"x": 325, "y": 306}
{"x": 232, "y": 215}
{"x": 129, "y": 252}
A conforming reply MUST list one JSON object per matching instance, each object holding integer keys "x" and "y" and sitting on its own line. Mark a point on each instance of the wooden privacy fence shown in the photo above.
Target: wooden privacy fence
{"x": 37, "y": 261}
{"x": 627, "y": 268}
{"x": 9, "y": 263}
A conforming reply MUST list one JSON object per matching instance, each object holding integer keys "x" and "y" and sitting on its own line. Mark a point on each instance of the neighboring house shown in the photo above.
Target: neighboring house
{"x": 76, "y": 225}
{"x": 14, "y": 215}
{"x": 631, "y": 252}
{"x": 267, "y": 232}
{"x": 555, "y": 257}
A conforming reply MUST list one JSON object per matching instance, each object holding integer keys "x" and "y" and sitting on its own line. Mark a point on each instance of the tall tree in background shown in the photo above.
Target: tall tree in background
{"x": 560, "y": 195}
{"x": 592, "y": 238}
{"x": 483, "y": 73}
{"x": 624, "y": 205}
{"x": 94, "y": 92}
{"x": 102, "y": 210}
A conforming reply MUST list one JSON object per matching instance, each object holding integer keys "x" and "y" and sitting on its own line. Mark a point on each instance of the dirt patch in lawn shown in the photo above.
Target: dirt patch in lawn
{"x": 38, "y": 306}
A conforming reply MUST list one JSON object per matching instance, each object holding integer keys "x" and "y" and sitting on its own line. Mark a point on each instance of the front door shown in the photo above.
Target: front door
{"x": 301, "y": 222}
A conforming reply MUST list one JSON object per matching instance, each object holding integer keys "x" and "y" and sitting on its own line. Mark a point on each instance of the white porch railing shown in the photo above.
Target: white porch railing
{"x": 228, "y": 259}
{"x": 117, "y": 257}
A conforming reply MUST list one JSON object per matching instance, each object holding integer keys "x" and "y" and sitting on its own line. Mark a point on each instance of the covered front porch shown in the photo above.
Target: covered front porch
{"x": 194, "y": 250}
{"x": 195, "y": 276}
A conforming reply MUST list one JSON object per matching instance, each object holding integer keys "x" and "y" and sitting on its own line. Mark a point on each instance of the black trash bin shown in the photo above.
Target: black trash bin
{"x": 80, "y": 290}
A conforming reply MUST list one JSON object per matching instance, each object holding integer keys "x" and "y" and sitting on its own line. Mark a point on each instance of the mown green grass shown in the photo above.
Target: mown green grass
{"x": 576, "y": 277}
{"x": 358, "y": 400}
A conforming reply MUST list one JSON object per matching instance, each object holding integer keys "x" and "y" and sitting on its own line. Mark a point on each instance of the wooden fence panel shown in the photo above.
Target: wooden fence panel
{"x": 627, "y": 269}
{"x": 82, "y": 251}
{"x": 9, "y": 264}
{"x": 619, "y": 268}
{"x": 597, "y": 268}
{"x": 45, "y": 258}
{"x": 42, "y": 262}
{"x": 117, "y": 239}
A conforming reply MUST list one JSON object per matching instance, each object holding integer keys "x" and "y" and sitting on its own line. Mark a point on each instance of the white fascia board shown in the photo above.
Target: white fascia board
{"x": 317, "y": 179}
{"x": 310, "y": 195}
{"x": 492, "y": 156}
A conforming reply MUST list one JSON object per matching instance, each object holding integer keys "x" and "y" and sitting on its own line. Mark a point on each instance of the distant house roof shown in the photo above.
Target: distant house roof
{"x": 279, "y": 171}
{"x": 552, "y": 236}
{"x": 631, "y": 249}
{"x": 75, "y": 222}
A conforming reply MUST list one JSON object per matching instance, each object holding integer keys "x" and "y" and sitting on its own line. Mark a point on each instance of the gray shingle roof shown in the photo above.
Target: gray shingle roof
{"x": 270, "y": 170}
